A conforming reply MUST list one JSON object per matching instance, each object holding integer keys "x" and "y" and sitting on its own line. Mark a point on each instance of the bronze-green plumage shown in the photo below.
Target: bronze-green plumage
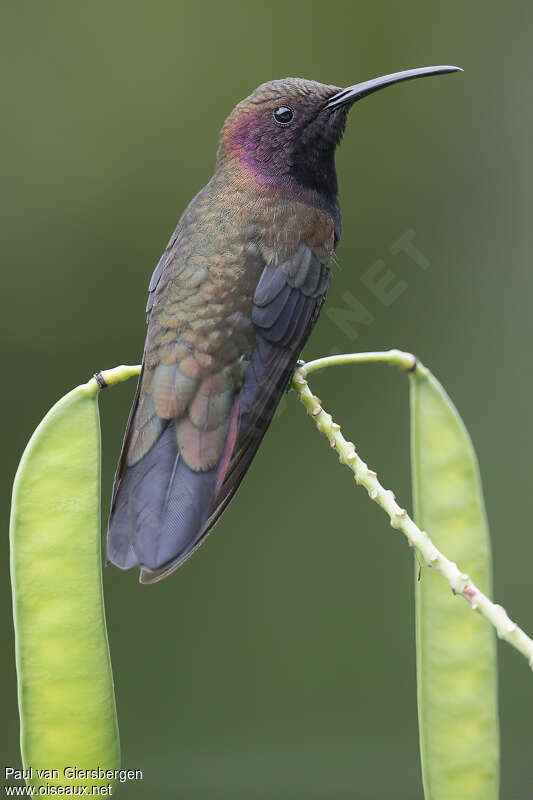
{"x": 231, "y": 303}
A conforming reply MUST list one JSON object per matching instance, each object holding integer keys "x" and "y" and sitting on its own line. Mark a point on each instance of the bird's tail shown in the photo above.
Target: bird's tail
{"x": 159, "y": 510}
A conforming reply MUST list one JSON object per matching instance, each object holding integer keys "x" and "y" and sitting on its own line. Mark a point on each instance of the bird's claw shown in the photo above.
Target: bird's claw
{"x": 299, "y": 364}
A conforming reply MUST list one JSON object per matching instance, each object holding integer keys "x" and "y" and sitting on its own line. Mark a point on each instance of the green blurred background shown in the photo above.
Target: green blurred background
{"x": 279, "y": 662}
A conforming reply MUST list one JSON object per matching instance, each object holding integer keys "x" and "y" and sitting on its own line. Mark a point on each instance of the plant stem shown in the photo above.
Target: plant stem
{"x": 459, "y": 581}
{"x": 397, "y": 358}
{"x": 110, "y": 377}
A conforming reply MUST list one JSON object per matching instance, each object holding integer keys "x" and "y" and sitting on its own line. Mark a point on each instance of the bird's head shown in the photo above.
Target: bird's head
{"x": 285, "y": 133}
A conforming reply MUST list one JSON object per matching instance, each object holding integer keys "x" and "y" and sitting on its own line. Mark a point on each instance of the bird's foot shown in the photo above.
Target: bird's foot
{"x": 297, "y": 366}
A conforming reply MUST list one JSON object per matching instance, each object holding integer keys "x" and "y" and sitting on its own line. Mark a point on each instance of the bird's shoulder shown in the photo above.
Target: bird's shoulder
{"x": 227, "y": 235}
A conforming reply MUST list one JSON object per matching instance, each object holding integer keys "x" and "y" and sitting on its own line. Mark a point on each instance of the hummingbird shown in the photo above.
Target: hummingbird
{"x": 231, "y": 303}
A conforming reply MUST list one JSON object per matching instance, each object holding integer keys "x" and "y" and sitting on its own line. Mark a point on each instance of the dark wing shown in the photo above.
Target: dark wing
{"x": 286, "y": 304}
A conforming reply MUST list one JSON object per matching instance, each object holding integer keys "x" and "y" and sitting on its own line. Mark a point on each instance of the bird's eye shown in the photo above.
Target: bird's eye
{"x": 283, "y": 115}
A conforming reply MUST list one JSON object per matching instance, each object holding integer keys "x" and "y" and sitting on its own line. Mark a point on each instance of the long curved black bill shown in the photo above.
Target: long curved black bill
{"x": 360, "y": 90}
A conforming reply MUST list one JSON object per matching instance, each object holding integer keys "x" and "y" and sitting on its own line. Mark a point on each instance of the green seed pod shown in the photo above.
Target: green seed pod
{"x": 65, "y": 684}
{"x": 456, "y": 653}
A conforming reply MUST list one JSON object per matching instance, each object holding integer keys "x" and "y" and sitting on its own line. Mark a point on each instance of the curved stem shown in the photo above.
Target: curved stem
{"x": 459, "y": 581}
{"x": 396, "y": 358}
